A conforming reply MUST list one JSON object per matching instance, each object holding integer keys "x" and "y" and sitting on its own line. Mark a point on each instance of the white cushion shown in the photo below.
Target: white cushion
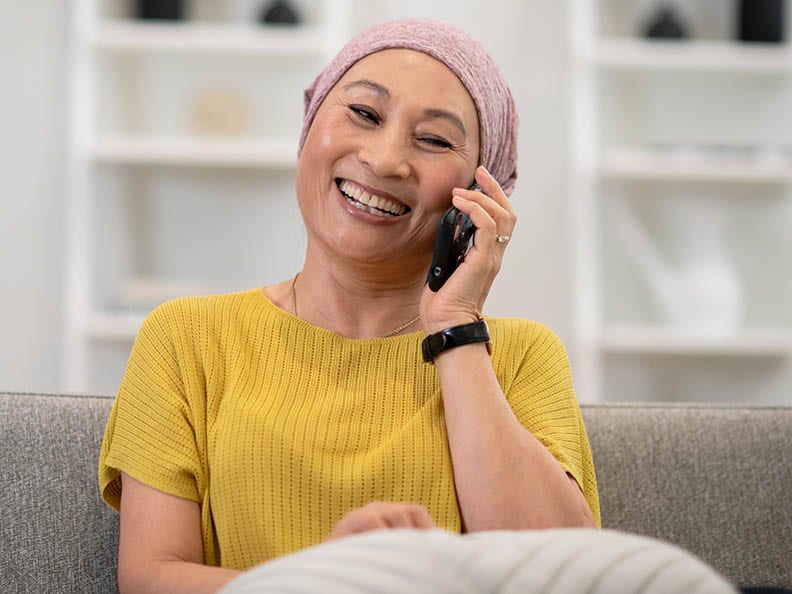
{"x": 563, "y": 561}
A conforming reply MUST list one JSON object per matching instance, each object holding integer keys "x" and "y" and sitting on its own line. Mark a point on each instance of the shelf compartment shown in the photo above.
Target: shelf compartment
{"x": 706, "y": 56}
{"x": 638, "y": 163}
{"x": 195, "y": 152}
{"x": 208, "y": 38}
{"x": 651, "y": 339}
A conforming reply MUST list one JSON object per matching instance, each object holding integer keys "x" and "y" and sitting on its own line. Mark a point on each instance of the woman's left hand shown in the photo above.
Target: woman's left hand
{"x": 461, "y": 299}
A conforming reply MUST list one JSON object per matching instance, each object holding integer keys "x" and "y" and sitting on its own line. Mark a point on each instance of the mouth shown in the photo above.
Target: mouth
{"x": 370, "y": 203}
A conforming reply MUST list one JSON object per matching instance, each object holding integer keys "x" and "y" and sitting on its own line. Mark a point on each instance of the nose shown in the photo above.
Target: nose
{"x": 386, "y": 153}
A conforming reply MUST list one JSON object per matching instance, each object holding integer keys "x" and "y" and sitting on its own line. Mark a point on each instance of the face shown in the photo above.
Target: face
{"x": 390, "y": 141}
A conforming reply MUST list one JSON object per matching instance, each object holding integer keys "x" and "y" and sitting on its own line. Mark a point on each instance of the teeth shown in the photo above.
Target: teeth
{"x": 370, "y": 203}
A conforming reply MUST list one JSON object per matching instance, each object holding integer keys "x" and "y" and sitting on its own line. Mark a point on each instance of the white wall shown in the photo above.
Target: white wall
{"x": 32, "y": 125}
{"x": 526, "y": 38}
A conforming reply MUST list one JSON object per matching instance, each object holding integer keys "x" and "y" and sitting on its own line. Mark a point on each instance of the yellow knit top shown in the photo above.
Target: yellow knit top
{"x": 277, "y": 428}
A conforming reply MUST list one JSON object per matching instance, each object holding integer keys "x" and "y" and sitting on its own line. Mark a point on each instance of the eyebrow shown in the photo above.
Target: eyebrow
{"x": 431, "y": 112}
{"x": 376, "y": 87}
{"x": 448, "y": 115}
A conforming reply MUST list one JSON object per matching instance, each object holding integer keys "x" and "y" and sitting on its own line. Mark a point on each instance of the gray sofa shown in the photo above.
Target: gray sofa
{"x": 715, "y": 480}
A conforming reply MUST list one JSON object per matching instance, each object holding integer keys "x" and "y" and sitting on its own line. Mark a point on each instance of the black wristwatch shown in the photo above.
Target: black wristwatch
{"x": 434, "y": 344}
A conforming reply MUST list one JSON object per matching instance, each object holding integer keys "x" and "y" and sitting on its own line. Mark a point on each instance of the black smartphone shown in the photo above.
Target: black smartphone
{"x": 454, "y": 238}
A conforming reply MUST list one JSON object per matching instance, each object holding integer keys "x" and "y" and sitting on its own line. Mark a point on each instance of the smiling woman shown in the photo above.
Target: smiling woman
{"x": 389, "y": 139}
{"x": 252, "y": 425}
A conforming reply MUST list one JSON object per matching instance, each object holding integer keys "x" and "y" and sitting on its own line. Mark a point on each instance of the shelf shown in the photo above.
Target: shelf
{"x": 114, "y": 326}
{"x": 195, "y": 152}
{"x": 626, "y": 339}
{"x": 650, "y": 164}
{"x": 191, "y": 38}
{"x": 624, "y": 53}
{"x": 692, "y": 131}
{"x": 143, "y": 100}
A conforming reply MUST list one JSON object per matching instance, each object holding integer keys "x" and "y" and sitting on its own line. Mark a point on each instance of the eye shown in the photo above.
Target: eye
{"x": 364, "y": 113}
{"x": 435, "y": 142}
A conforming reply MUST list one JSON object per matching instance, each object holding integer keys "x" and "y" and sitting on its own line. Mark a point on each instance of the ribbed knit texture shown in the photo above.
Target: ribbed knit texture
{"x": 465, "y": 57}
{"x": 277, "y": 428}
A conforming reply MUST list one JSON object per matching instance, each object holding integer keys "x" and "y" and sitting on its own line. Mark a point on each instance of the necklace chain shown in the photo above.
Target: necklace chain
{"x": 386, "y": 335}
{"x": 402, "y": 327}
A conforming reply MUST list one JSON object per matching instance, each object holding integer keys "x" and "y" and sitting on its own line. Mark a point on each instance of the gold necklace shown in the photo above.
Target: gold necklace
{"x": 386, "y": 335}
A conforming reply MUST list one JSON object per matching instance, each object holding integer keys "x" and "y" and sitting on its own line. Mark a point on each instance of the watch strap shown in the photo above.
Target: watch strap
{"x": 450, "y": 338}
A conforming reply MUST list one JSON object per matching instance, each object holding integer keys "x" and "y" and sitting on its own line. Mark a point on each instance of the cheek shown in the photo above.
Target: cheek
{"x": 324, "y": 140}
{"x": 327, "y": 134}
{"x": 444, "y": 180}
{"x": 323, "y": 146}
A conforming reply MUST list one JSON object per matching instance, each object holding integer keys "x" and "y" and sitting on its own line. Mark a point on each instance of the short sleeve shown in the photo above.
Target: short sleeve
{"x": 150, "y": 432}
{"x": 542, "y": 397}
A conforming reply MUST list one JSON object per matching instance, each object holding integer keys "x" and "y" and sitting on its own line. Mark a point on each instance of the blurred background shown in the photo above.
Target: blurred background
{"x": 148, "y": 151}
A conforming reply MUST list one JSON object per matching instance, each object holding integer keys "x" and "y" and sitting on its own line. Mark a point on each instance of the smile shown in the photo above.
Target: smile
{"x": 371, "y": 203}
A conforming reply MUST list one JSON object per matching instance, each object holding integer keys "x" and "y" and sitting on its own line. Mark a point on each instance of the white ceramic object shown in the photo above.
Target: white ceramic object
{"x": 698, "y": 290}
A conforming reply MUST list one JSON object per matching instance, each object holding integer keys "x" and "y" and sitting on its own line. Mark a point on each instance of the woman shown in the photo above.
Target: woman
{"x": 252, "y": 425}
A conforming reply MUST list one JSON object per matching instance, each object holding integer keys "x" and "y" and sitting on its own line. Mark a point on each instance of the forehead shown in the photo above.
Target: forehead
{"x": 415, "y": 73}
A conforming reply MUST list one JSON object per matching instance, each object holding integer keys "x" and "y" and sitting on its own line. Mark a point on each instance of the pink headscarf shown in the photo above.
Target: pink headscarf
{"x": 465, "y": 57}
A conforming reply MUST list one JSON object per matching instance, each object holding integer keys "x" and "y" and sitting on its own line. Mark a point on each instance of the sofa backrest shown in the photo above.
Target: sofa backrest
{"x": 713, "y": 480}
{"x": 56, "y": 533}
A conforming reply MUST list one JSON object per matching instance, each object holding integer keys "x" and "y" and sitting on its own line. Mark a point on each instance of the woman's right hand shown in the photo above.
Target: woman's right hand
{"x": 382, "y": 515}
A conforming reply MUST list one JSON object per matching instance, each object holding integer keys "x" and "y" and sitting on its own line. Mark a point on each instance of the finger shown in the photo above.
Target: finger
{"x": 478, "y": 215}
{"x": 487, "y": 229}
{"x": 363, "y": 519}
{"x": 502, "y": 217}
{"x": 495, "y": 210}
{"x": 492, "y": 231}
{"x": 376, "y": 522}
{"x": 420, "y": 517}
{"x": 399, "y": 517}
{"x": 409, "y": 516}
{"x": 491, "y": 187}
{"x": 502, "y": 213}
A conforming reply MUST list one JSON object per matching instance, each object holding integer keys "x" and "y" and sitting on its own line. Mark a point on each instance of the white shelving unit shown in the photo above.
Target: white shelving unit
{"x": 645, "y": 339}
{"x": 659, "y": 127}
{"x": 150, "y": 196}
{"x": 690, "y": 55}
{"x": 208, "y": 38}
{"x": 638, "y": 163}
{"x": 195, "y": 152}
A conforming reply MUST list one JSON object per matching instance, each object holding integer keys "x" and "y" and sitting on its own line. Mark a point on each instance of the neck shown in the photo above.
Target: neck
{"x": 357, "y": 301}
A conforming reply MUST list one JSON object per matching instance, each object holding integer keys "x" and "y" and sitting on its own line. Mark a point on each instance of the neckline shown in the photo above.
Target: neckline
{"x": 297, "y": 320}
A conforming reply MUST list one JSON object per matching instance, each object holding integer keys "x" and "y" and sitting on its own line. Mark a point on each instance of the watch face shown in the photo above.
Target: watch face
{"x": 437, "y": 342}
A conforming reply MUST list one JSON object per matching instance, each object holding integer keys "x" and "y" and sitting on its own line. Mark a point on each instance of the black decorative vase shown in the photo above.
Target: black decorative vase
{"x": 665, "y": 24}
{"x": 761, "y": 20}
{"x": 279, "y": 12}
{"x": 160, "y": 10}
